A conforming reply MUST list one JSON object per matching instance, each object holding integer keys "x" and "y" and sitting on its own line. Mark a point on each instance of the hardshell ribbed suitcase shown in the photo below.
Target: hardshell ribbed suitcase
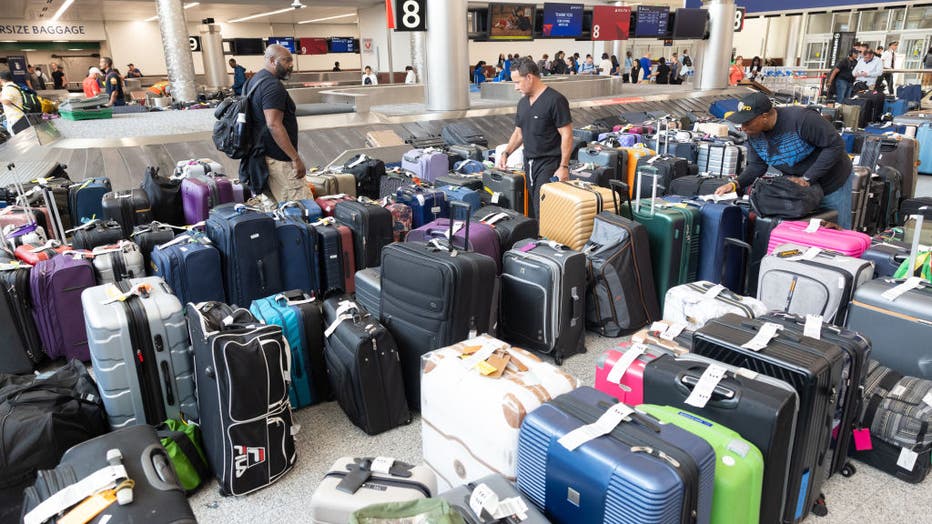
{"x": 761, "y": 227}
{"x": 502, "y": 488}
{"x": 845, "y": 242}
{"x": 568, "y": 209}
{"x": 139, "y": 348}
{"x": 612, "y": 478}
{"x": 470, "y": 421}
{"x": 369, "y": 290}
{"x": 120, "y": 262}
{"x": 508, "y": 189}
{"x": 427, "y": 164}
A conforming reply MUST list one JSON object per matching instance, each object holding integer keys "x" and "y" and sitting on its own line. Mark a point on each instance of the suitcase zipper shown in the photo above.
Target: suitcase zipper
{"x": 144, "y": 357}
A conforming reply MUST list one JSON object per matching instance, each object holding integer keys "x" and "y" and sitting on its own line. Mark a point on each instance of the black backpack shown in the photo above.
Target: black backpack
{"x": 31, "y": 101}
{"x": 234, "y": 141}
{"x": 688, "y": 62}
{"x": 164, "y": 196}
{"x": 368, "y": 173}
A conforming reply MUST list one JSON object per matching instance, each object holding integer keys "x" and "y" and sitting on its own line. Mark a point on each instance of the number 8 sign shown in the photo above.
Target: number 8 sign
{"x": 410, "y": 15}
{"x": 740, "y": 13}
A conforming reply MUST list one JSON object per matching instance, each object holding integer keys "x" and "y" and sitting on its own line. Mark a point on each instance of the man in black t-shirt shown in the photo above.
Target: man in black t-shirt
{"x": 544, "y": 126}
{"x": 842, "y": 75}
{"x": 58, "y": 76}
{"x": 112, "y": 82}
{"x": 274, "y": 166}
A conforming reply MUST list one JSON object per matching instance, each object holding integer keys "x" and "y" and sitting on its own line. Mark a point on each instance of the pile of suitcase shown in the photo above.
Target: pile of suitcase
{"x": 746, "y": 383}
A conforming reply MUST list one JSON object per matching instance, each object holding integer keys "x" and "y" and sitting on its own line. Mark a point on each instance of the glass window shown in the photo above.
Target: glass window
{"x": 842, "y": 21}
{"x": 896, "y": 18}
{"x": 919, "y": 18}
{"x": 872, "y": 20}
{"x": 820, "y": 23}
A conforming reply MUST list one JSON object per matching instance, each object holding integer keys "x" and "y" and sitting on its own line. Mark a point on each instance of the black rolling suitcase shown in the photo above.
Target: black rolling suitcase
{"x": 901, "y": 153}
{"x": 473, "y": 181}
{"x": 597, "y": 175}
{"x": 373, "y": 229}
{"x": 96, "y": 233}
{"x": 435, "y": 294}
{"x": 695, "y": 185}
{"x": 22, "y": 348}
{"x": 241, "y": 371}
{"x": 129, "y": 208}
{"x": 363, "y": 366}
{"x": 157, "y": 495}
{"x": 590, "y": 133}
{"x": 461, "y": 133}
{"x": 147, "y": 236}
{"x": 510, "y": 225}
{"x": 508, "y": 189}
{"x": 813, "y": 367}
{"x": 462, "y": 152}
{"x": 330, "y": 251}
{"x": 164, "y": 197}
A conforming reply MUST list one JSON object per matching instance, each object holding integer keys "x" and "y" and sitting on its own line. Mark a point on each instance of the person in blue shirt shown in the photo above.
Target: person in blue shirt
{"x": 587, "y": 67}
{"x": 239, "y": 77}
{"x": 506, "y": 65}
{"x": 500, "y": 75}
{"x": 478, "y": 74}
{"x": 645, "y": 67}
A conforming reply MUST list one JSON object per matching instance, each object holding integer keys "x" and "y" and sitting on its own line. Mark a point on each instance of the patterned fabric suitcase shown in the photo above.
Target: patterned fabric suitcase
{"x": 470, "y": 421}
{"x": 568, "y": 209}
{"x": 393, "y": 180}
{"x": 139, "y": 348}
{"x": 402, "y": 217}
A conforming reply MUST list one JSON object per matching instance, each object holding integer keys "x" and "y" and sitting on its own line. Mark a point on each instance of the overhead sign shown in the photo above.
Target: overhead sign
{"x": 195, "y": 43}
{"x": 410, "y": 15}
{"x": 36, "y": 30}
{"x": 611, "y": 22}
{"x": 740, "y": 14}
{"x": 367, "y": 46}
{"x": 17, "y": 66}
{"x": 765, "y": 6}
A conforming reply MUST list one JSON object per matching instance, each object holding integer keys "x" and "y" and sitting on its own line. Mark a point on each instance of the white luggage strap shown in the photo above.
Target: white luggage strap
{"x": 103, "y": 479}
{"x": 621, "y": 365}
{"x": 767, "y": 332}
{"x": 702, "y": 392}
{"x": 189, "y": 238}
{"x": 484, "y": 498}
{"x": 157, "y": 224}
{"x": 362, "y": 158}
{"x": 342, "y": 314}
{"x": 51, "y": 244}
{"x": 114, "y": 295}
{"x": 85, "y": 225}
{"x": 325, "y": 221}
{"x": 340, "y": 196}
{"x": 609, "y": 420}
{"x": 120, "y": 247}
{"x": 493, "y": 218}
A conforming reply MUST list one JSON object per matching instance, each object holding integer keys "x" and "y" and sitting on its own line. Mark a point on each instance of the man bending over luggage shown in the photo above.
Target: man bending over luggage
{"x": 273, "y": 167}
{"x": 544, "y": 125}
{"x": 798, "y": 142}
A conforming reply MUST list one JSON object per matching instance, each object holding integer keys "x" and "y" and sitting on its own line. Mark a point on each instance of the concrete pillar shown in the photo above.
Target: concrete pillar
{"x": 716, "y": 57}
{"x": 620, "y": 47}
{"x": 417, "y": 55}
{"x": 212, "y": 53}
{"x": 177, "y": 50}
{"x": 447, "y": 53}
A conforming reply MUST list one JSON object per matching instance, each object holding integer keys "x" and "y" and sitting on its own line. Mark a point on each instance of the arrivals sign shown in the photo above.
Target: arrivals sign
{"x": 41, "y": 30}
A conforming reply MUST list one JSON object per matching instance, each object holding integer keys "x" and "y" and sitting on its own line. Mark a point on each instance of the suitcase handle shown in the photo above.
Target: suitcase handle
{"x": 158, "y": 469}
{"x": 620, "y": 188}
{"x": 744, "y": 246}
{"x": 454, "y": 205}
{"x": 923, "y": 211}
{"x": 722, "y": 396}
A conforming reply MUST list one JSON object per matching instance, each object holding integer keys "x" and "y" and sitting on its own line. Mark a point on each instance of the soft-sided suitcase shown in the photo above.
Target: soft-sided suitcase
{"x": 696, "y": 303}
{"x": 191, "y": 267}
{"x": 426, "y": 204}
{"x": 367, "y": 172}
{"x": 637, "y": 471}
{"x": 354, "y": 483}
{"x": 482, "y": 237}
{"x": 469, "y": 420}
{"x": 471, "y": 181}
{"x": 129, "y": 208}
{"x": 347, "y": 257}
{"x": 304, "y": 210}
{"x": 402, "y": 217}
{"x": 364, "y": 367}
{"x": 507, "y": 188}
{"x": 147, "y": 236}
{"x": 369, "y": 290}
{"x": 56, "y": 285}
{"x": 435, "y": 295}
{"x": 245, "y": 415}
{"x": 32, "y": 254}
{"x": 96, "y": 233}
{"x": 605, "y": 156}
{"x": 164, "y": 197}
{"x": 737, "y": 494}
{"x": 201, "y": 193}
{"x": 898, "y": 152}
{"x": 813, "y": 234}
{"x": 333, "y": 263}
{"x": 851, "y": 115}
{"x": 22, "y": 350}
{"x": 139, "y": 348}
{"x": 301, "y": 320}
{"x": 695, "y": 185}
{"x": 621, "y": 295}
{"x": 462, "y": 152}
{"x": 298, "y": 254}
{"x": 426, "y": 164}
{"x": 13, "y": 216}
{"x": 328, "y": 203}
{"x": 372, "y": 228}
{"x": 720, "y": 107}
{"x": 393, "y": 180}
{"x": 811, "y": 281}
{"x": 85, "y": 199}
{"x": 118, "y": 262}
{"x": 157, "y": 495}
{"x": 854, "y": 141}
{"x": 543, "y": 298}
{"x": 248, "y": 252}
{"x": 568, "y": 209}
{"x": 510, "y": 225}
{"x": 463, "y": 194}
{"x": 591, "y": 132}
{"x": 325, "y": 183}
{"x": 593, "y": 174}
{"x": 813, "y": 367}
{"x": 518, "y": 508}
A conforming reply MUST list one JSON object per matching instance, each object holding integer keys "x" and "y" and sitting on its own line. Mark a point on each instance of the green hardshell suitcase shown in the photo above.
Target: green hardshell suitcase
{"x": 673, "y": 230}
{"x": 739, "y": 465}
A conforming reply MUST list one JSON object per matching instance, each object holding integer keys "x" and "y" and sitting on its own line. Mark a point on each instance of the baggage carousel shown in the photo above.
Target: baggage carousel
{"x": 127, "y": 144}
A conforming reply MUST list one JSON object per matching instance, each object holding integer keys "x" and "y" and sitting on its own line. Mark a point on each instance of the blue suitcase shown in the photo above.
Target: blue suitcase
{"x": 297, "y": 254}
{"x": 720, "y": 107}
{"x": 86, "y": 199}
{"x": 463, "y": 194}
{"x": 720, "y": 262}
{"x": 299, "y": 316}
{"x": 191, "y": 268}
{"x": 641, "y": 472}
{"x": 924, "y": 137}
{"x": 306, "y": 210}
{"x": 427, "y": 204}
{"x": 248, "y": 252}
{"x": 896, "y": 107}
{"x": 909, "y": 92}
{"x": 886, "y": 127}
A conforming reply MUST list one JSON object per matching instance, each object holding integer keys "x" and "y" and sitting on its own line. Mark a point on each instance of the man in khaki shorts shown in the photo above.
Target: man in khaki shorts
{"x": 274, "y": 167}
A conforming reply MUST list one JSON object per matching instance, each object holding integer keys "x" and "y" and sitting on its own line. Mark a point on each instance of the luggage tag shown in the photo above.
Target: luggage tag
{"x": 358, "y": 475}
{"x": 621, "y": 365}
{"x": 114, "y": 295}
{"x": 668, "y": 330}
{"x": 497, "y": 362}
{"x": 814, "y": 225}
{"x": 483, "y": 353}
{"x": 898, "y": 291}
{"x": 813, "y": 327}
{"x": 764, "y": 335}
{"x": 862, "y": 439}
{"x": 702, "y": 392}
{"x": 907, "y": 459}
{"x": 606, "y": 423}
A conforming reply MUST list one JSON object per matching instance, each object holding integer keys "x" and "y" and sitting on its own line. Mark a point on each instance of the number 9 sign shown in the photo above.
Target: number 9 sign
{"x": 410, "y": 15}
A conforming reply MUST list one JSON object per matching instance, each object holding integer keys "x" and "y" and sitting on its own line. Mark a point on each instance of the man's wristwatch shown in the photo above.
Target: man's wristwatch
{"x": 566, "y": 166}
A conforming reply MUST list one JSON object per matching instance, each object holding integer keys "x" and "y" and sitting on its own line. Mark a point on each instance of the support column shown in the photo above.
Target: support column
{"x": 212, "y": 53}
{"x": 177, "y": 50}
{"x": 389, "y": 35}
{"x": 447, "y": 54}
{"x": 620, "y": 47}
{"x": 716, "y": 58}
{"x": 417, "y": 56}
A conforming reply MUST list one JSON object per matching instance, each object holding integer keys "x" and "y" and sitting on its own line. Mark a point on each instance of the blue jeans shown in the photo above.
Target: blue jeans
{"x": 840, "y": 200}
{"x": 842, "y": 89}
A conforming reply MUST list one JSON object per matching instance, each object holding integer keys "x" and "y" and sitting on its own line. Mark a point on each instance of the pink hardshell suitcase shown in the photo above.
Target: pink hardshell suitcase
{"x": 201, "y": 193}
{"x": 846, "y": 242}
{"x": 629, "y": 389}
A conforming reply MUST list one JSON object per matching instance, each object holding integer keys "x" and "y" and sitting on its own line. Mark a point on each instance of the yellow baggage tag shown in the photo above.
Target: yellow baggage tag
{"x": 89, "y": 508}
{"x": 485, "y": 368}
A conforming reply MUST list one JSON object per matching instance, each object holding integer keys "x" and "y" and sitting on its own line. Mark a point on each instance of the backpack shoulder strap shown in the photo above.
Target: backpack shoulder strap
{"x": 253, "y": 86}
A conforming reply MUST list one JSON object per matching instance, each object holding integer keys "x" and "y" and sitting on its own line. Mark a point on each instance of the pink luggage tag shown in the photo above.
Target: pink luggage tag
{"x": 862, "y": 439}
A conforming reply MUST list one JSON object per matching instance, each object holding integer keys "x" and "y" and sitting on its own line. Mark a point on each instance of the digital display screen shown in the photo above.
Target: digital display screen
{"x": 690, "y": 23}
{"x": 651, "y": 21}
{"x": 248, "y": 46}
{"x": 562, "y": 20}
{"x": 610, "y": 22}
{"x": 313, "y": 46}
{"x": 342, "y": 44}
{"x": 285, "y": 41}
{"x": 511, "y": 21}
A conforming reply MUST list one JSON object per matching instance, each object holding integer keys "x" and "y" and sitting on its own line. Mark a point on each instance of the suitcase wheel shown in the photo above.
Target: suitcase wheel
{"x": 848, "y": 470}
{"x": 819, "y": 508}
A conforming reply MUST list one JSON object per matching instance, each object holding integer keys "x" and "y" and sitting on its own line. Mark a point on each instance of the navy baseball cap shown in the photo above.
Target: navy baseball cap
{"x": 751, "y": 107}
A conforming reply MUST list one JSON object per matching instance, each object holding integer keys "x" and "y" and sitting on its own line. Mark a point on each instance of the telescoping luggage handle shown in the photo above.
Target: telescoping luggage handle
{"x": 651, "y": 171}
{"x": 917, "y": 233}
{"x": 620, "y": 188}
{"x": 744, "y": 246}
{"x": 454, "y": 205}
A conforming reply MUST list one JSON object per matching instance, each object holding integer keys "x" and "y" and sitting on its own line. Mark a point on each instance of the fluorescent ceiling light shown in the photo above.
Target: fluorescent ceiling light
{"x": 61, "y": 10}
{"x": 260, "y": 15}
{"x": 327, "y": 18}
{"x": 75, "y": 49}
{"x": 27, "y": 49}
{"x": 186, "y": 6}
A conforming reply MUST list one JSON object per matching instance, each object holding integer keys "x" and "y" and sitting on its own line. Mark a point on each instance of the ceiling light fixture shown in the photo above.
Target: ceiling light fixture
{"x": 327, "y": 18}
{"x": 186, "y": 6}
{"x": 61, "y": 10}
{"x": 260, "y": 15}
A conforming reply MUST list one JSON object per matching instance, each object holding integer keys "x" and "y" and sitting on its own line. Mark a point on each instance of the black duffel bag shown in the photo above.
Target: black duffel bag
{"x": 368, "y": 173}
{"x": 780, "y": 197}
{"x": 43, "y": 417}
{"x": 164, "y": 197}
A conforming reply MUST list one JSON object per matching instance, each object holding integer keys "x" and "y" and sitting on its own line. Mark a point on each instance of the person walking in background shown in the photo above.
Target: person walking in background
{"x": 736, "y": 72}
{"x": 559, "y": 64}
{"x": 369, "y": 78}
{"x": 410, "y": 76}
{"x": 616, "y": 67}
{"x": 239, "y": 77}
{"x": 336, "y": 67}
{"x": 58, "y": 77}
{"x": 605, "y": 66}
{"x": 41, "y": 79}
{"x": 628, "y": 72}
{"x": 506, "y": 65}
{"x": 91, "y": 84}
{"x": 544, "y": 64}
{"x": 500, "y": 75}
{"x": 31, "y": 81}
{"x": 842, "y": 76}
{"x": 113, "y": 82}
{"x": 890, "y": 62}
{"x": 645, "y": 64}
{"x": 687, "y": 64}
{"x": 675, "y": 69}
{"x": 501, "y": 60}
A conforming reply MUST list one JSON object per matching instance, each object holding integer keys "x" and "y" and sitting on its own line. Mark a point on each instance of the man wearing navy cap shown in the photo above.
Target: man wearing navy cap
{"x": 800, "y": 144}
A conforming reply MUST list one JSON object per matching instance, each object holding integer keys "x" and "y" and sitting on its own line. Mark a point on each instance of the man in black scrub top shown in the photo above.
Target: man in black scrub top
{"x": 544, "y": 125}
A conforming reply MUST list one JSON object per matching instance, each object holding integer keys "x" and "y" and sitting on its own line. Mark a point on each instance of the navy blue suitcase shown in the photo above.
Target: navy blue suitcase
{"x": 86, "y": 199}
{"x": 642, "y": 471}
{"x": 248, "y": 249}
{"x": 426, "y": 204}
{"x": 191, "y": 268}
{"x": 887, "y": 255}
{"x": 464, "y": 194}
{"x": 330, "y": 252}
{"x": 297, "y": 255}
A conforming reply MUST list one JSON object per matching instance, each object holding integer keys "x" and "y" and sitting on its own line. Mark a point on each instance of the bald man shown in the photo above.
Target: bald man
{"x": 274, "y": 166}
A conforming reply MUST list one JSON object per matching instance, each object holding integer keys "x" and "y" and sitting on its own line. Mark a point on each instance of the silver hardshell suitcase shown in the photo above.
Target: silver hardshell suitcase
{"x": 138, "y": 341}
{"x": 118, "y": 262}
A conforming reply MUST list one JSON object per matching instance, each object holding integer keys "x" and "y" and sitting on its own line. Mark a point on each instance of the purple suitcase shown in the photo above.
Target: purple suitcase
{"x": 622, "y": 139}
{"x": 482, "y": 237}
{"x": 426, "y": 164}
{"x": 201, "y": 193}
{"x": 56, "y": 286}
